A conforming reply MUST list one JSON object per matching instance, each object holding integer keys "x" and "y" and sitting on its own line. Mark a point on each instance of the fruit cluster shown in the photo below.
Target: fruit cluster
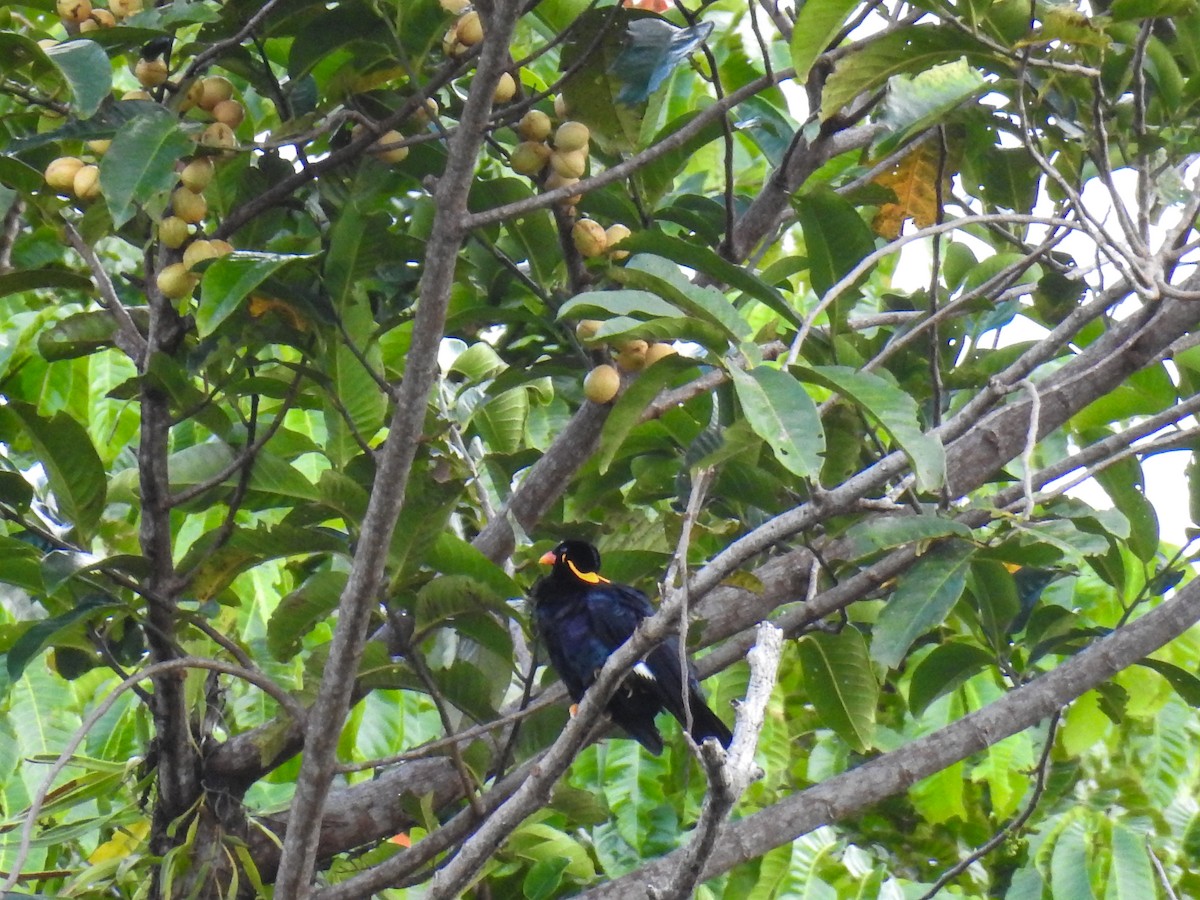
{"x": 630, "y": 355}
{"x": 188, "y": 207}
{"x": 82, "y": 16}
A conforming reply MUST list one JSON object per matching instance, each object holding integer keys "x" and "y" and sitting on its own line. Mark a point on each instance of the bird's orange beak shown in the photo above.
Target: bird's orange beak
{"x": 547, "y": 558}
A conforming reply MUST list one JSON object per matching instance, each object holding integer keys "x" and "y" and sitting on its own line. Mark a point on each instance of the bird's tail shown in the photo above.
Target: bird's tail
{"x": 705, "y": 723}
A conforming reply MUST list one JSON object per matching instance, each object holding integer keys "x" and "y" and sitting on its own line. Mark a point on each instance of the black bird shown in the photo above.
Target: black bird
{"x": 583, "y": 617}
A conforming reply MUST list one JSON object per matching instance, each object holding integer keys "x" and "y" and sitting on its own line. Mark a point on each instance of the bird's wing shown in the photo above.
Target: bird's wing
{"x": 615, "y": 610}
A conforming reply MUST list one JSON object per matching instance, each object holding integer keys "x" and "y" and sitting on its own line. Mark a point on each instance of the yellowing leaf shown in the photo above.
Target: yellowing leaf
{"x": 913, "y": 179}
{"x": 121, "y": 844}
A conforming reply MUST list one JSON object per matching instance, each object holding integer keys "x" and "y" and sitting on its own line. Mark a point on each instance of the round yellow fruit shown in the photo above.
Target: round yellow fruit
{"x": 191, "y": 98}
{"x": 587, "y": 328}
{"x": 387, "y": 149}
{"x": 455, "y": 7}
{"x": 88, "y": 24}
{"x": 60, "y": 174}
{"x": 554, "y": 181}
{"x": 529, "y": 158}
{"x": 601, "y": 384}
{"x": 197, "y": 252}
{"x": 136, "y": 95}
{"x": 104, "y": 18}
{"x": 569, "y": 164}
{"x": 198, "y": 174}
{"x": 219, "y": 136}
{"x": 469, "y": 30}
{"x": 426, "y": 112}
{"x": 615, "y": 234}
{"x": 588, "y": 237}
{"x": 534, "y": 126}
{"x": 173, "y": 232}
{"x": 223, "y": 248}
{"x": 213, "y": 90}
{"x": 506, "y": 89}
{"x": 176, "y": 281}
{"x": 75, "y": 11}
{"x": 631, "y": 357}
{"x": 123, "y": 9}
{"x": 150, "y": 72}
{"x": 571, "y": 136}
{"x": 189, "y": 206}
{"x": 560, "y": 107}
{"x": 86, "y": 184}
{"x": 100, "y": 146}
{"x": 230, "y": 112}
{"x": 657, "y": 351}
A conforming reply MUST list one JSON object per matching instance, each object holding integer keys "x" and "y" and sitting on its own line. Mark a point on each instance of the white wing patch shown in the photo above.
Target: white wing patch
{"x": 644, "y": 671}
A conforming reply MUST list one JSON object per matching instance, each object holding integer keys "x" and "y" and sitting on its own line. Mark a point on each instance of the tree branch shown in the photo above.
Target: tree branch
{"x": 394, "y": 464}
{"x": 885, "y": 776}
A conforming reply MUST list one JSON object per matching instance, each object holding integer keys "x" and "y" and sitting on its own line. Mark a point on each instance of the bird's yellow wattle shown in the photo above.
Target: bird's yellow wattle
{"x": 589, "y": 577}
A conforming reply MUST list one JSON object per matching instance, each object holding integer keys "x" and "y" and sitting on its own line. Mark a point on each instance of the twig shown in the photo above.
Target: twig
{"x": 394, "y": 465}
{"x": 865, "y": 265}
{"x": 9, "y": 229}
{"x": 244, "y": 460}
{"x": 1039, "y": 788}
{"x": 547, "y": 698}
{"x": 214, "y": 50}
{"x": 128, "y": 338}
{"x": 1031, "y": 439}
{"x": 677, "y": 578}
{"x": 729, "y": 774}
{"x": 469, "y": 783}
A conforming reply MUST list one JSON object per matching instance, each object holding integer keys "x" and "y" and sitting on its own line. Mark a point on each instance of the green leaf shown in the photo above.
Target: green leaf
{"x": 1122, "y": 10}
{"x": 924, "y": 596}
{"x": 451, "y": 555}
{"x": 836, "y": 237}
{"x": 20, "y": 564}
{"x": 913, "y": 49}
{"x": 19, "y": 176}
{"x": 702, "y": 259}
{"x": 603, "y": 304}
{"x": 817, "y": 24}
{"x": 34, "y": 279}
{"x": 228, "y": 280}
{"x": 589, "y": 90}
{"x": 84, "y": 333}
{"x": 43, "y": 633}
{"x": 662, "y": 277}
{"x": 354, "y": 386}
{"x": 449, "y": 596}
{"x": 73, "y": 468}
{"x": 298, "y": 612}
{"x": 841, "y": 685}
{"x": 895, "y": 410}
{"x": 782, "y": 414}
{"x": 140, "y": 164}
{"x": 87, "y": 70}
{"x": 943, "y": 670}
{"x": 996, "y": 597}
{"x": 501, "y": 420}
{"x": 627, "y": 411}
{"x": 543, "y": 878}
{"x": 916, "y": 102}
{"x": 1132, "y": 877}
{"x": 1069, "y": 864}
{"x": 872, "y": 535}
{"x": 1186, "y": 684}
